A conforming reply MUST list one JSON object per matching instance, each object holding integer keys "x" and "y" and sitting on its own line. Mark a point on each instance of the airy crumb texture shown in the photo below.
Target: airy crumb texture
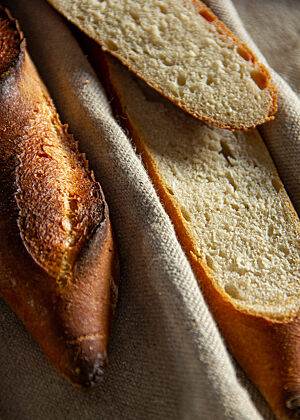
{"x": 229, "y": 195}
{"x": 183, "y": 51}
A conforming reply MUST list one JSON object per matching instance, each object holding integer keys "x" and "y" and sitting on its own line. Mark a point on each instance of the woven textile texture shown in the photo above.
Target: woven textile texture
{"x": 167, "y": 359}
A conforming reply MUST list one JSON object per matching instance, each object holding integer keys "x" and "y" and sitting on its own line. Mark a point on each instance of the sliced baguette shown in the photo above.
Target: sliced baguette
{"x": 182, "y": 50}
{"x": 58, "y": 261}
{"x": 235, "y": 223}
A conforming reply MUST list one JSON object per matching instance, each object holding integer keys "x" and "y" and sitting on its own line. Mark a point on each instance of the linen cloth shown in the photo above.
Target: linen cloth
{"x": 167, "y": 359}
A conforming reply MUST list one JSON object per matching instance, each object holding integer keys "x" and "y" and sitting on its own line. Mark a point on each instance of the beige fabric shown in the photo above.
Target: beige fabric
{"x": 275, "y": 30}
{"x": 167, "y": 360}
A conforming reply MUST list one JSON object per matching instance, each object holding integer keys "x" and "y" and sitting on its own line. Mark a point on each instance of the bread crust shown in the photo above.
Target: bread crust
{"x": 267, "y": 349}
{"x": 245, "y": 52}
{"x": 58, "y": 260}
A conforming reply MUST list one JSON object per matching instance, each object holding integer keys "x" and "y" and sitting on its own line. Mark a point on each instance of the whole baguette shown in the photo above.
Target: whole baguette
{"x": 265, "y": 341}
{"x": 58, "y": 260}
{"x": 181, "y": 49}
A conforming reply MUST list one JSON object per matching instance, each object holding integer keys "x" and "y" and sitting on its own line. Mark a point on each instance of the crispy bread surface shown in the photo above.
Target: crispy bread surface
{"x": 58, "y": 260}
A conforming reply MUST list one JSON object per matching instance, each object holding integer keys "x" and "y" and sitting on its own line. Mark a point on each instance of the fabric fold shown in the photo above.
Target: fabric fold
{"x": 167, "y": 359}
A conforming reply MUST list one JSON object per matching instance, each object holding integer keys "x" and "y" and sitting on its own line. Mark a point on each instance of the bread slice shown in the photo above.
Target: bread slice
{"x": 183, "y": 51}
{"x": 235, "y": 223}
{"x": 58, "y": 261}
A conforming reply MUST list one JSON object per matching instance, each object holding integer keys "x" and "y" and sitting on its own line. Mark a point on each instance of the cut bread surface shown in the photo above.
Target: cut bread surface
{"x": 182, "y": 50}
{"x": 228, "y": 194}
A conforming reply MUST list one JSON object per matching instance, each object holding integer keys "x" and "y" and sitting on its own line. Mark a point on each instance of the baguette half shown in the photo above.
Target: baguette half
{"x": 58, "y": 261}
{"x": 182, "y": 50}
{"x": 235, "y": 223}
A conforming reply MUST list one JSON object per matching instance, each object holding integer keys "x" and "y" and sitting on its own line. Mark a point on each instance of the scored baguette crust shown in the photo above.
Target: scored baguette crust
{"x": 267, "y": 349}
{"x": 58, "y": 260}
{"x": 260, "y": 74}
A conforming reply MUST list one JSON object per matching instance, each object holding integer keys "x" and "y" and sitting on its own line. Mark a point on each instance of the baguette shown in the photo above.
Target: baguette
{"x": 58, "y": 260}
{"x": 234, "y": 221}
{"x": 182, "y": 50}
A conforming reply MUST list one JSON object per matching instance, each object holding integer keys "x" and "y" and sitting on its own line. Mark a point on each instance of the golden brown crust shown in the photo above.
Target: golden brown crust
{"x": 268, "y": 350}
{"x": 58, "y": 262}
{"x": 11, "y": 45}
{"x": 245, "y": 52}
{"x": 260, "y": 74}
